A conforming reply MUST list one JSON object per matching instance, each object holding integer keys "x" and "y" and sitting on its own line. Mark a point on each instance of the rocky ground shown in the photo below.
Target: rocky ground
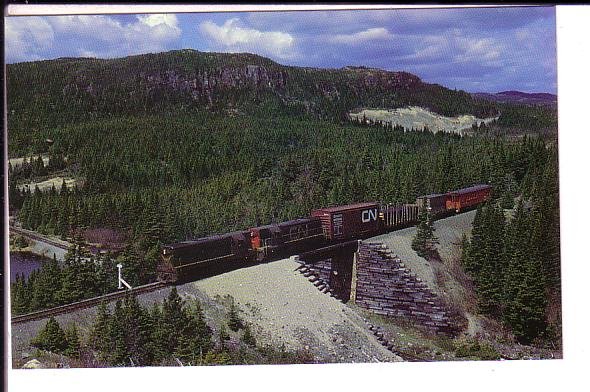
{"x": 282, "y": 306}
{"x": 287, "y": 309}
{"x": 48, "y": 183}
{"x": 417, "y": 118}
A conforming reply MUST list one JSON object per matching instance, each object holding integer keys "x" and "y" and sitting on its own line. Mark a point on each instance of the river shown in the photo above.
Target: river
{"x": 24, "y": 263}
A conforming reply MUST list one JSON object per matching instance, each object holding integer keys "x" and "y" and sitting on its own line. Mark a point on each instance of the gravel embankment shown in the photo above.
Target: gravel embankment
{"x": 448, "y": 231}
{"x": 287, "y": 309}
{"x": 282, "y": 306}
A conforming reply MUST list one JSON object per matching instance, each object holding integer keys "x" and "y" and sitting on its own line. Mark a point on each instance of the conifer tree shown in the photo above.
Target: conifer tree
{"x": 51, "y": 338}
{"x": 19, "y": 295}
{"x": 174, "y": 320}
{"x": 119, "y": 355}
{"x": 248, "y": 337}
{"x": 73, "y": 348}
{"x": 157, "y": 344}
{"x": 100, "y": 334}
{"x": 424, "y": 241}
{"x": 138, "y": 329}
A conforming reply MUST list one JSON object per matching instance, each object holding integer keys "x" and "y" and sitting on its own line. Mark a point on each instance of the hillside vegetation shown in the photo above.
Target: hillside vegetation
{"x": 46, "y": 94}
{"x": 172, "y": 146}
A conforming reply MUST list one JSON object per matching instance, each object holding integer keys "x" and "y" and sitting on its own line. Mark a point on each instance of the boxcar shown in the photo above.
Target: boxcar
{"x": 468, "y": 197}
{"x": 184, "y": 260}
{"x": 435, "y": 202}
{"x": 350, "y": 221}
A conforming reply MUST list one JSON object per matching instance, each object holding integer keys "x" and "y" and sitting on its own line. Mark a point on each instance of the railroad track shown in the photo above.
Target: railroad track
{"x": 86, "y": 303}
{"x": 38, "y": 237}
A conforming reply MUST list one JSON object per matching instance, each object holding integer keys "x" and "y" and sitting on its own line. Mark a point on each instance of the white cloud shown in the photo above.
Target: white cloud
{"x": 361, "y": 37}
{"x": 231, "y": 36}
{"x": 486, "y": 51}
{"x": 157, "y": 19}
{"x": 31, "y": 38}
{"x": 26, "y": 38}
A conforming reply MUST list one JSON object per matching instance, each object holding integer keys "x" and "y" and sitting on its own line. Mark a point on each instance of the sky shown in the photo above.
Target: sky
{"x": 472, "y": 49}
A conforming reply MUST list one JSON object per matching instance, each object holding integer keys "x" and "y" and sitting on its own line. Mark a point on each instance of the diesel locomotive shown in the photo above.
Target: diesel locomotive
{"x": 186, "y": 261}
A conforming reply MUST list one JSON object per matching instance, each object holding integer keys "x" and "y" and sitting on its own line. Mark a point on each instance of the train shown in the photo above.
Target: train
{"x": 188, "y": 260}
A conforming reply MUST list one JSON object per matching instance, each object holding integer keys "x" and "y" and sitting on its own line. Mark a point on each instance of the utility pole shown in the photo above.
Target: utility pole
{"x": 121, "y": 280}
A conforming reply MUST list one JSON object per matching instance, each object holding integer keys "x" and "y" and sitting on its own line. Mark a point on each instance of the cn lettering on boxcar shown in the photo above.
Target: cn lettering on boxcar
{"x": 369, "y": 215}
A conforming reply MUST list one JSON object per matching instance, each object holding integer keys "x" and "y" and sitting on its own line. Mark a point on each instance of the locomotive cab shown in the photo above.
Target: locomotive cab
{"x": 264, "y": 241}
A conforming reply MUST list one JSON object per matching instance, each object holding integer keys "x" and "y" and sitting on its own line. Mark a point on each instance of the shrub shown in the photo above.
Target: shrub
{"x": 477, "y": 350}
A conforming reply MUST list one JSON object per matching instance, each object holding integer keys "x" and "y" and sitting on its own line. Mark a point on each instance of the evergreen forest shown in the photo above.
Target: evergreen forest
{"x": 180, "y": 145}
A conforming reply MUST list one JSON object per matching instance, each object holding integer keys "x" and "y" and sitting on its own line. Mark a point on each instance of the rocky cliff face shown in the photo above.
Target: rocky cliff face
{"x": 190, "y": 78}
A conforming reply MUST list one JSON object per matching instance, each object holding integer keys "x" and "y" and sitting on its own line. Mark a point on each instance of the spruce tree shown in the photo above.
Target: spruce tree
{"x": 174, "y": 320}
{"x": 248, "y": 337}
{"x": 99, "y": 336}
{"x": 138, "y": 328}
{"x": 424, "y": 241}
{"x": 51, "y": 338}
{"x": 73, "y": 348}
{"x": 119, "y": 355}
{"x": 199, "y": 333}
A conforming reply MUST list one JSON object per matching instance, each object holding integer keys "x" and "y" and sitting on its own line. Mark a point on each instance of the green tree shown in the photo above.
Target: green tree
{"x": 117, "y": 335}
{"x": 234, "y": 322}
{"x": 100, "y": 333}
{"x": 248, "y": 337}
{"x": 424, "y": 241}
{"x": 73, "y": 348}
{"x": 51, "y": 338}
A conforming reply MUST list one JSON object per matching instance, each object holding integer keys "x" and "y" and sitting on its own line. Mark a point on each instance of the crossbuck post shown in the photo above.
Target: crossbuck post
{"x": 121, "y": 280}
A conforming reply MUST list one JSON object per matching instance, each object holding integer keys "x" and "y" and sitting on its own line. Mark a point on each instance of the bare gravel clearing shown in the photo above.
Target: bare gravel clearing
{"x": 415, "y": 117}
{"x": 47, "y": 184}
{"x": 287, "y": 309}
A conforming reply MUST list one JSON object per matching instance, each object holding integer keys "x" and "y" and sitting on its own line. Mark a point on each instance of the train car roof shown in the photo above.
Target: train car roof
{"x": 347, "y": 207}
{"x": 184, "y": 244}
{"x": 432, "y": 195}
{"x": 473, "y": 188}
{"x": 286, "y": 223}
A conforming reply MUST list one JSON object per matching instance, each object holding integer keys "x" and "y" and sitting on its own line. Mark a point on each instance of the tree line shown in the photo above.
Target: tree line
{"x": 515, "y": 261}
{"x": 230, "y": 174}
{"x": 81, "y": 276}
{"x": 169, "y": 333}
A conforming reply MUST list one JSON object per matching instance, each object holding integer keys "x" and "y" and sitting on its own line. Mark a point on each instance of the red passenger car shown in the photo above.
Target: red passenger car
{"x": 468, "y": 197}
{"x": 350, "y": 221}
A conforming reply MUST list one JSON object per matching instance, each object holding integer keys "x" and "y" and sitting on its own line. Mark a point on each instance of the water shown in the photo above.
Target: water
{"x": 24, "y": 263}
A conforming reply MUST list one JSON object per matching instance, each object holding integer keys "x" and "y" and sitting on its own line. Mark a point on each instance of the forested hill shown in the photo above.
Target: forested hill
{"x": 52, "y": 92}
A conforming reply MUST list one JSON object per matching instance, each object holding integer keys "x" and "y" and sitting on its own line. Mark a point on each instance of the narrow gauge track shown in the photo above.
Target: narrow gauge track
{"x": 85, "y": 303}
{"x": 38, "y": 237}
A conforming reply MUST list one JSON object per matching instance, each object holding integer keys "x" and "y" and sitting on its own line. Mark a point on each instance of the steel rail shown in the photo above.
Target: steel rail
{"x": 44, "y": 313}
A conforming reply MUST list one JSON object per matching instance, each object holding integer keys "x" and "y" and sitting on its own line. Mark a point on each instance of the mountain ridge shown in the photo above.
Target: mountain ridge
{"x": 190, "y": 79}
{"x": 519, "y": 97}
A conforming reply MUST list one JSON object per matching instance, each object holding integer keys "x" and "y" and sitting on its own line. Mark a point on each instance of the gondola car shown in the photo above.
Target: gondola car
{"x": 183, "y": 260}
{"x": 398, "y": 216}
